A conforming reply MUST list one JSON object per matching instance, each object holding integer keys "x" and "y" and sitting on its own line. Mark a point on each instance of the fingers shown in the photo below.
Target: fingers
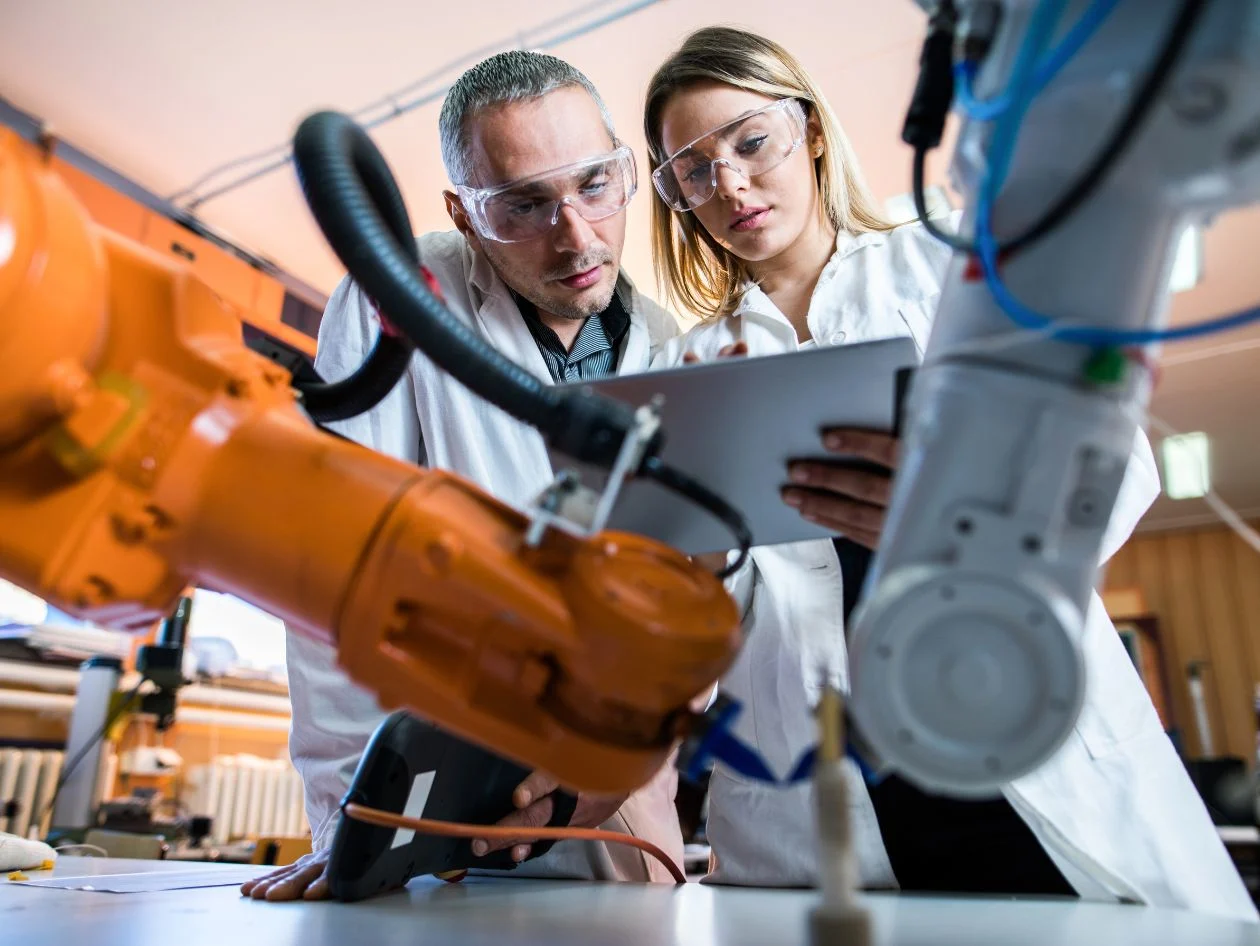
{"x": 536, "y": 785}
{"x": 304, "y": 879}
{"x": 536, "y": 815}
{"x": 319, "y": 889}
{"x": 734, "y": 350}
{"x": 870, "y": 488}
{"x": 867, "y": 444}
{"x": 861, "y": 522}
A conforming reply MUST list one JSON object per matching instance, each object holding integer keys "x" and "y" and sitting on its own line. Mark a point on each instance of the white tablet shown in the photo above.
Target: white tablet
{"x": 734, "y": 424}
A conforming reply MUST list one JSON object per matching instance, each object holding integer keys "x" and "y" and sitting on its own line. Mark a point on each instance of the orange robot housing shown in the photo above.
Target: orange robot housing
{"x": 144, "y": 448}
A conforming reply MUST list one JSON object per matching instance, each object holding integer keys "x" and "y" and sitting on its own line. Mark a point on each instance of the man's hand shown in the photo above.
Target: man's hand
{"x": 304, "y": 879}
{"x": 713, "y": 561}
{"x": 850, "y": 501}
{"x": 533, "y": 802}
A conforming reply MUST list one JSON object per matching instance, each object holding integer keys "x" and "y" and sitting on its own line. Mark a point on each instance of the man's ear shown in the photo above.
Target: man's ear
{"x": 459, "y": 217}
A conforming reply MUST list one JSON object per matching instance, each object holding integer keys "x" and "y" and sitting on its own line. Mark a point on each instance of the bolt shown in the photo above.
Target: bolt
{"x": 1198, "y": 100}
{"x": 103, "y": 589}
{"x": 128, "y": 529}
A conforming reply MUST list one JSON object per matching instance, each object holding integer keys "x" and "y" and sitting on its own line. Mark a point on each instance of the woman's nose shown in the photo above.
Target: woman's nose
{"x": 728, "y": 180}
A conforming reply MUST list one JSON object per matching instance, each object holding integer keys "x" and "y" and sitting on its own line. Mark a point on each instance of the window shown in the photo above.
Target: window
{"x": 230, "y": 636}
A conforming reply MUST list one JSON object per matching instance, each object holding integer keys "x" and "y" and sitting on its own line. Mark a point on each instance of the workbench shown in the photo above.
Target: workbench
{"x": 506, "y": 912}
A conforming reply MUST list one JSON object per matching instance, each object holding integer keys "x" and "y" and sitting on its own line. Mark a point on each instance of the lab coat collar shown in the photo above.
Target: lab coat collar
{"x": 501, "y": 319}
{"x": 847, "y": 243}
{"x": 757, "y": 306}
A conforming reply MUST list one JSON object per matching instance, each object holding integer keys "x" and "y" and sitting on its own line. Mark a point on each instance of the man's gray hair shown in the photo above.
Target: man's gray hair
{"x": 512, "y": 76}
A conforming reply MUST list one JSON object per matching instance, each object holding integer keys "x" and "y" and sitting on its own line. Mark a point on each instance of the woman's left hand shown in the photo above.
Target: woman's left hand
{"x": 850, "y": 501}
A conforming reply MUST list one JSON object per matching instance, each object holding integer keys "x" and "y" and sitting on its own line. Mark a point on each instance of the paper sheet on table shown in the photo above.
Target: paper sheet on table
{"x": 220, "y": 876}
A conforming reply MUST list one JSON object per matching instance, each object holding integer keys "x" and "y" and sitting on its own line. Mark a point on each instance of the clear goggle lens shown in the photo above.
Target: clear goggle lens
{"x": 749, "y": 145}
{"x": 596, "y": 188}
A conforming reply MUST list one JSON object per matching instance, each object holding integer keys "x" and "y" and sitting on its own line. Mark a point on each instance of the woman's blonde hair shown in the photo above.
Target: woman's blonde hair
{"x": 693, "y": 270}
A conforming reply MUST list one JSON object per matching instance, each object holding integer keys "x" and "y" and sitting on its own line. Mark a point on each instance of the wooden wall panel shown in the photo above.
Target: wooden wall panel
{"x": 1203, "y": 585}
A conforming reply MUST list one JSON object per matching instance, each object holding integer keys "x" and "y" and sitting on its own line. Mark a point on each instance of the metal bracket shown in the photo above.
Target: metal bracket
{"x": 569, "y": 505}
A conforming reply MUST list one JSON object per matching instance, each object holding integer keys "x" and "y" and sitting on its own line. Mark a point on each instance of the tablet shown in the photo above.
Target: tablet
{"x": 733, "y": 424}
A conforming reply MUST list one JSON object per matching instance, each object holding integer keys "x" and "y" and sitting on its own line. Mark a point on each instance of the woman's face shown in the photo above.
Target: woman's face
{"x": 757, "y": 216}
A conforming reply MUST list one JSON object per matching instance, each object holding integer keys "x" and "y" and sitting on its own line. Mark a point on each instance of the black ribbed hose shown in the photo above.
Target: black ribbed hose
{"x": 350, "y": 190}
{"x": 356, "y": 203}
{"x": 387, "y": 363}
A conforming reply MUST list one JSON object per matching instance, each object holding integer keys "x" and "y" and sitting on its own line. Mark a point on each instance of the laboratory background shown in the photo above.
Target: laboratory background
{"x": 172, "y": 124}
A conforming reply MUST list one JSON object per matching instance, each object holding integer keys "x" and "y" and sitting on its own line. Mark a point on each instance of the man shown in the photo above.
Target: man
{"x": 542, "y": 185}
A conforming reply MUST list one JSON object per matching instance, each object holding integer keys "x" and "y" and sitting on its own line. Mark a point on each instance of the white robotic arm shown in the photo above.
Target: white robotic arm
{"x": 966, "y": 654}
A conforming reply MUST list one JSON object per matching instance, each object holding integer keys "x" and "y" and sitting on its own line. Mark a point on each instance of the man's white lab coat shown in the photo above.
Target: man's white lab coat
{"x": 332, "y": 717}
{"x": 1114, "y": 807}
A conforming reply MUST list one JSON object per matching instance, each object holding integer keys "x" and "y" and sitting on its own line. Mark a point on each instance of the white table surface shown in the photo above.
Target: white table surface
{"x": 504, "y": 912}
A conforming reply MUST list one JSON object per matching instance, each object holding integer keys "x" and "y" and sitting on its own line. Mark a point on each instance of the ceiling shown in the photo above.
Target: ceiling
{"x": 165, "y": 92}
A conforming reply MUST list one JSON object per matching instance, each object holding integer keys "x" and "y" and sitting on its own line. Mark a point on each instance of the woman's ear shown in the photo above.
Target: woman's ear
{"x": 814, "y": 137}
{"x": 813, "y": 132}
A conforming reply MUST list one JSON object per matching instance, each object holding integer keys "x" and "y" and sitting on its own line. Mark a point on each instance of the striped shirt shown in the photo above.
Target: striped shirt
{"x": 595, "y": 350}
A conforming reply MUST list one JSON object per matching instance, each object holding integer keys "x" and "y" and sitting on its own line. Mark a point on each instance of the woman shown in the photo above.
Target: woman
{"x": 762, "y": 225}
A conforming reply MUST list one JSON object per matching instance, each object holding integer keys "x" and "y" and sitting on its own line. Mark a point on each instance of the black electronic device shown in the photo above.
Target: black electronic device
{"x": 414, "y": 768}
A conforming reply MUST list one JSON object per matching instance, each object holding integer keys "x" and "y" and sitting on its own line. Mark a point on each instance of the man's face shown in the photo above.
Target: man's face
{"x": 571, "y": 269}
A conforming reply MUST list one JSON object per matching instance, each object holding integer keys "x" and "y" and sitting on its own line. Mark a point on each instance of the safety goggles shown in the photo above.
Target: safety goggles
{"x": 752, "y": 144}
{"x": 522, "y": 210}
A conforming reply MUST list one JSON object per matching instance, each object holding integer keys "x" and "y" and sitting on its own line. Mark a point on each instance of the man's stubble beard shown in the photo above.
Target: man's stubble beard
{"x": 533, "y": 288}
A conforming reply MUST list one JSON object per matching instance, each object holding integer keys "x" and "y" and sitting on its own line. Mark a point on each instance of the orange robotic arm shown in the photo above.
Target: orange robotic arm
{"x": 143, "y": 448}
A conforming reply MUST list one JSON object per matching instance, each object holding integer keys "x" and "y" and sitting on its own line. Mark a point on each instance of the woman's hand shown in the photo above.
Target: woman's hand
{"x": 854, "y": 502}
{"x": 713, "y": 561}
{"x": 733, "y": 350}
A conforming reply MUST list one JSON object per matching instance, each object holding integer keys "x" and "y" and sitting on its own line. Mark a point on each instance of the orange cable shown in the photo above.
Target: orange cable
{"x": 453, "y": 829}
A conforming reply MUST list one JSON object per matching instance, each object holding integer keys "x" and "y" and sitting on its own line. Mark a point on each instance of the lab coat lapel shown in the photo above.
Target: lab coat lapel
{"x": 636, "y": 352}
{"x": 761, "y": 326}
{"x": 528, "y": 468}
{"x": 500, "y": 320}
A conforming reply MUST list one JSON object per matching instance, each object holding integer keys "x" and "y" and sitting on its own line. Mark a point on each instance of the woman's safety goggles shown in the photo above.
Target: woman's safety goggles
{"x": 522, "y": 210}
{"x": 752, "y": 144}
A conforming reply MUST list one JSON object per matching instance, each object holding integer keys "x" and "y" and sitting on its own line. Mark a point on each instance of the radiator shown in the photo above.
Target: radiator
{"x": 28, "y": 778}
{"x": 247, "y": 797}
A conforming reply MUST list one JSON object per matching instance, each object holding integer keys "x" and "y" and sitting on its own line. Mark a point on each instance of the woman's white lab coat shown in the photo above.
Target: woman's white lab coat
{"x": 332, "y": 717}
{"x": 1114, "y": 807}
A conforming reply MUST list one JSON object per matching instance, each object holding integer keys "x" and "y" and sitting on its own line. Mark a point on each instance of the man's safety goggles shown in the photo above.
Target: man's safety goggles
{"x": 752, "y": 144}
{"x": 522, "y": 210}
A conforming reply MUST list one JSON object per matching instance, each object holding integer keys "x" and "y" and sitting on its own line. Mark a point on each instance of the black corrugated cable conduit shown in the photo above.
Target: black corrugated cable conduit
{"x": 387, "y": 363}
{"x": 356, "y": 203}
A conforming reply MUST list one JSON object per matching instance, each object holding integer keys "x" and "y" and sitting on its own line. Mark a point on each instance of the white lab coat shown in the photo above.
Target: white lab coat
{"x": 332, "y": 717}
{"x": 1114, "y": 807}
